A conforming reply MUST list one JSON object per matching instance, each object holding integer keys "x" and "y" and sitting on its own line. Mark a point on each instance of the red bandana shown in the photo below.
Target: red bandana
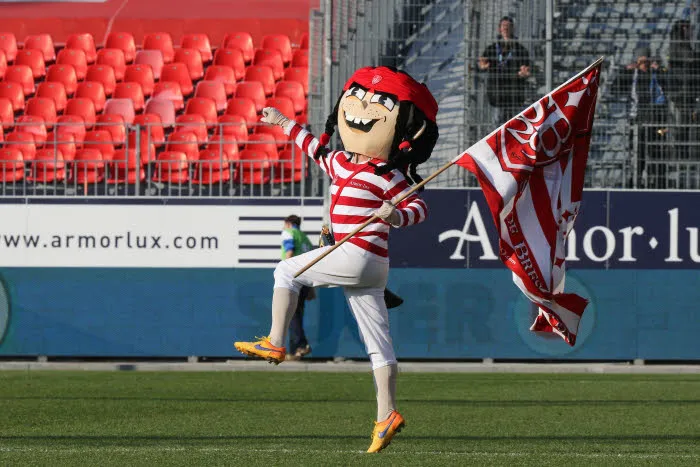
{"x": 383, "y": 79}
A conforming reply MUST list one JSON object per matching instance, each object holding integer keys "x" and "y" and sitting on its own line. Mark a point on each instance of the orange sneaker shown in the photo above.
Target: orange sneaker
{"x": 262, "y": 348}
{"x": 384, "y": 431}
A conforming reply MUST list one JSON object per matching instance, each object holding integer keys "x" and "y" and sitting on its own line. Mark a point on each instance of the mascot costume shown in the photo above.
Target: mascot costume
{"x": 387, "y": 123}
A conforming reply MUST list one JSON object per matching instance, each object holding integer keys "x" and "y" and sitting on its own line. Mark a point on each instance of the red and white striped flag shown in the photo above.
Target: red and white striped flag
{"x": 531, "y": 171}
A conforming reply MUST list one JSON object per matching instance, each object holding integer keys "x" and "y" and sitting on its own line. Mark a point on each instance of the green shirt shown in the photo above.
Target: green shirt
{"x": 295, "y": 239}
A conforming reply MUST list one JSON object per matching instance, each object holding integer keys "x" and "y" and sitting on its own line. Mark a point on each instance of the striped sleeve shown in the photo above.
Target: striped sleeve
{"x": 309, "y": 144}
{"x": 413, "y": 209}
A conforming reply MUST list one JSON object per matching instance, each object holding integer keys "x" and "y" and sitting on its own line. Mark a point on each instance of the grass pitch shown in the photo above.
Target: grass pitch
{"x": 283, "y": 418}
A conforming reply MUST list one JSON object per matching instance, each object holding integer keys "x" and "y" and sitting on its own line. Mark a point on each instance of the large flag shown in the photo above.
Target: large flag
{"x": 531, "y": 171}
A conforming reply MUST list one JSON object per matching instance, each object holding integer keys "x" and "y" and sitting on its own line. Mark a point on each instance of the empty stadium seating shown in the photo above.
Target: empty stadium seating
{"x": 70, "y": 111}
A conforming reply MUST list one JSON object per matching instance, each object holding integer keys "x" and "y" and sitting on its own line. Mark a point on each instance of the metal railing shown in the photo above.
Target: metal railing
{"x": 153, "y": 160}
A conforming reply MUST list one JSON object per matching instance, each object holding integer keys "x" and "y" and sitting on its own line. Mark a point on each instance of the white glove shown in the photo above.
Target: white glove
{"x": 274, "y": 117}
{"x": 389, "y": 213}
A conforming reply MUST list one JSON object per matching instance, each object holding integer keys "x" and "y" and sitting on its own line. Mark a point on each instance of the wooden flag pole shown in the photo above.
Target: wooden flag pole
{"x": 373, "y": 218}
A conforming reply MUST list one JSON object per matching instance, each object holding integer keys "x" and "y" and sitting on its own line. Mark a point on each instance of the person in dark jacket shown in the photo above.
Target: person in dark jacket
{"x": 507, "y": 63}
{"x": 684, "y": 83}
{"x": 644, "y": 83}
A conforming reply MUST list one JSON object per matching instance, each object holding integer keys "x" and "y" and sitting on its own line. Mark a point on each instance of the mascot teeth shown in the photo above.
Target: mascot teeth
{"x": 365, "y": 121}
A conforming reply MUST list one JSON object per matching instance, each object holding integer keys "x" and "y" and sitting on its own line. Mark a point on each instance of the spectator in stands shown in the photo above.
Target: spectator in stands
{"x": 643, "y": 83}
{"x": 684, "y": 82}
{"x": 295, "y": 242}
{"x": 507, "y": 63}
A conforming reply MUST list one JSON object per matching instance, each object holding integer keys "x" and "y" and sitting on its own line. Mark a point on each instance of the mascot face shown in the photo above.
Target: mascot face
{"x": 367, "y": 121}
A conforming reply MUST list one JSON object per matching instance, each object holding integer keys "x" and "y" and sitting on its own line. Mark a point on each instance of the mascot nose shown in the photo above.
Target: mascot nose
{"x": 364, "y": 104}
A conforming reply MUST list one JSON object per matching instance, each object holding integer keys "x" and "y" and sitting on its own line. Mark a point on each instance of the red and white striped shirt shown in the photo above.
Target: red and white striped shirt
{"x": 356, "y": 193}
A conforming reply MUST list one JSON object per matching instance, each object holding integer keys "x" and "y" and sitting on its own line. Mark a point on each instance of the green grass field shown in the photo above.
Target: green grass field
{"x": 283, "y": 418}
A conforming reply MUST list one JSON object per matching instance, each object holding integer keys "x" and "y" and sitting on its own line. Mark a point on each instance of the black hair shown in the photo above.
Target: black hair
{"x": 507, "y": 18}
{"x": 293, "y": 219}
{"x": 409, "y": 121}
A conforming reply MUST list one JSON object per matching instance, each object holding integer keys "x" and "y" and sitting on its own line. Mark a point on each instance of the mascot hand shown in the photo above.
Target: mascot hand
{"x": 274, "y": 117}
{"x": 389, "y": 213}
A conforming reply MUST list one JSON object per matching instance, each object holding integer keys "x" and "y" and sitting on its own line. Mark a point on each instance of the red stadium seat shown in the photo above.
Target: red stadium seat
{"x": 179, "y": 73}
{"x": 55, "y": 91}
{"x": 170, "y": 90}
{"x": 126, "y": 168}
{"x": 70, "y": 125}
{"x": 142, "y": 140}
{"x": 153, "y": 126}
{"x": 48, "y": 166}
{"x": 115, "y": 125}
{"x": 302, "y": 118}
{"x": 304, "y": 42}
{"x": 103, "y": 74}
{"x": 65, "y": 144}
{"x": 253, "y": 90}
{"x": 214, "y": 90}
{"x": 88, "y": 166}
{"x": 263, "y": 142}
{"x": 63, "y": 74}
{"x": 172, "y": 167}
{"x": 222, "y": 74}
{"x": 254, "y": 166}
{"x": 154, "y": 58}
{"x": 263, "y": 75}
{"x": 244, "y": 107}
{"x": 300, "y": 75}
{"x": 14, "y": 92}
{"x": 3, "y": 64}
{"x": 276, "y": 131}
{"x": 23, "y": 142}
{"x": 232, "y": 58}
{"x": 164, "y": 108}
{"x": 33, "y": 125}
{"x": 271, "y": 58}
{"x": 294, "y": 91}
{"x": 192, "y": 60}
{"x": 193, "y": 124}
{"x": 84, "y": 42}
{"x": 34, "y": 59}
{"x": 8, "y": 44}
{"x": 76, "y": 58}
{"x": 199, "y": 42}
{"x": 142, "y": 74}
{"x": 242, "y": 41}
{"x": 123, "y": 41}
{"x": 102, "y": 141}
{"x": 7, "y": 114}
{"x": 283, "y": 104}
{"x": 211, "y": 168}
{"x": 160, "y": 41}
{"x": 184, "y": 141}
{"x": 123, "y": 107}
{"x": 203, "y": 106}
{"x": 94, "y": 91}
{"x": 232, "y": 127}
{"x": 43, "y": 107}
{"x": 42, "y": 42}
{"x": 22, "y": 75}
{"x": 11, "y": 165}
{"x": 225, "y": 144}
{"x": 114, "y": 58}
{"x": 293, "y": 166}
{"x": 84, "y": 108}
{"x": 131, "y": 91}
{"x": 300, "y": 58}
{"x": 280, "y": 42}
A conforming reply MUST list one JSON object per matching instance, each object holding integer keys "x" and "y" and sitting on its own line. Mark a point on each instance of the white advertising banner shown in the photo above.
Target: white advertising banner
{"x": 110, "y": 235}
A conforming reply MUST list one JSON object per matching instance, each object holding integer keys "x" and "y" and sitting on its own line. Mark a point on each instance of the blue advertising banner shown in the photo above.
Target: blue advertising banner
{"x": 634, "y": 256}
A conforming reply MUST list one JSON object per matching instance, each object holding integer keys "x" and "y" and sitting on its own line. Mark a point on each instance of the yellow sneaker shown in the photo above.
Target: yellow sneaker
{"x": 262, "y": 349}
{"x": 383, "y": 432}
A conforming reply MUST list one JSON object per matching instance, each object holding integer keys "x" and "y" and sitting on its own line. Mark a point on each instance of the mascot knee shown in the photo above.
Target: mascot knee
{"x": 284, "y": 277}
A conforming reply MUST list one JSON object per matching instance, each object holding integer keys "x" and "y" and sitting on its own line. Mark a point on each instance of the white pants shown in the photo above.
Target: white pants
{"x": 363, "y": 277}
